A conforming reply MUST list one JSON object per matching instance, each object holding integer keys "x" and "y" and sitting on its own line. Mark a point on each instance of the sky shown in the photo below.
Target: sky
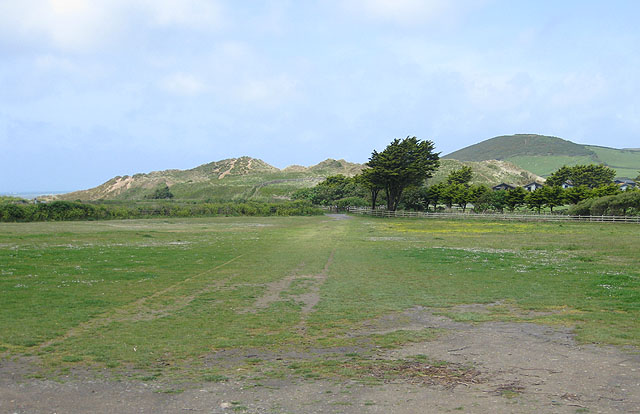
{"x": 92, "y": 89}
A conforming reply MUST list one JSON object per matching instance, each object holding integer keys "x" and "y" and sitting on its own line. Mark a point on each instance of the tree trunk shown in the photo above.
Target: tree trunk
{"x": 374, "y": 197}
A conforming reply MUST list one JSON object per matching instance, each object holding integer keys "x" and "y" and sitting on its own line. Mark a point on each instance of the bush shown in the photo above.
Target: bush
{"x": 343, "y": 203}
{"x": 583, "y": 208}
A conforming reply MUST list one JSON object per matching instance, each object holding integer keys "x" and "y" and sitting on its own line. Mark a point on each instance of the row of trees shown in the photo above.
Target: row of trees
{"x": 484, "y": 198}
{"x": 397, "y": 176}
{"x": 65, "y": 210}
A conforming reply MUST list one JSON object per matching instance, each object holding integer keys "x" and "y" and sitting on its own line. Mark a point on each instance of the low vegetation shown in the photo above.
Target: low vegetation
{"x": 168, "y": 298}
{"x": 67, "y": 210}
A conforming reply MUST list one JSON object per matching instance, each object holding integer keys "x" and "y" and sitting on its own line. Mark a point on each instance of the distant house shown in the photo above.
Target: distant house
{"x": 625, "y": 184}
{"x": 567, "y": 184}
{"x": 503, "y": 186}
{"x": 532, "y": 186}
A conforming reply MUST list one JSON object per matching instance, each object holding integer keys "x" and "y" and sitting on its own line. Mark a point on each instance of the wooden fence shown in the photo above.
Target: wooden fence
{"x": 489, "y": 216}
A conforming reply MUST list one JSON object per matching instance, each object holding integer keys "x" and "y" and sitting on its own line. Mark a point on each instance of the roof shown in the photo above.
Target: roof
{"x": 503, "y": 185}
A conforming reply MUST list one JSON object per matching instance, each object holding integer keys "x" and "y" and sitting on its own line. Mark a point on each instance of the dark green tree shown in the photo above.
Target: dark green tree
{"x": 535, "y": 200}
{"x": 574, "y": 195}
{"x": 624, "y": 202}
{"x": 462, "y": 195}
{"x": 560, "y": 176}
{"x": 461, "y": 176}
{"x": 477, "y": 196}
{"x": 553, "y": 196}
{"x": 515, "y": 198}
{"x": 605, "y": 190}
{"x": 372, "y": 181}
{"x": 499, "y": 200}
{"x": 402, "y": 163}
{"x": 161, "y": 193}
{"x": 448, "y": 195}
{"x": 432, "y": 195}
{"x": 591, "y": 175}
{"x": 413, "y": 198}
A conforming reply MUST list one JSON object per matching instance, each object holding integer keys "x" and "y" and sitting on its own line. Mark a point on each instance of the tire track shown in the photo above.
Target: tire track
{"x": 138, "y": 309}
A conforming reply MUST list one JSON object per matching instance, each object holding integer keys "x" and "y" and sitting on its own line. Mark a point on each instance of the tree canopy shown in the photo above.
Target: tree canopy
{"x": 591, "y": 175}
{"x": 461, "y": 176}
{"x": 403, "y": 163}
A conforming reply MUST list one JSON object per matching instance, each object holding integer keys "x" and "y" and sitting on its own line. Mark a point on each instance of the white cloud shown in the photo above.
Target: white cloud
{"x": 64, "y": 24}
{"x": 183, "y": 84}
{"x": 79, "y": 25}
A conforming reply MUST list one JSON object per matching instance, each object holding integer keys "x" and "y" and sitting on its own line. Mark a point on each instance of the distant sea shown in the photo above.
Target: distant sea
{"x": 33, "y": 194}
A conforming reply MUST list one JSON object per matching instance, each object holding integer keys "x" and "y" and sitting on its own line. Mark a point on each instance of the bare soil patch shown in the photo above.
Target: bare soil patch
{"x": 495, "y": 367}
{"x": 309, "y": 298}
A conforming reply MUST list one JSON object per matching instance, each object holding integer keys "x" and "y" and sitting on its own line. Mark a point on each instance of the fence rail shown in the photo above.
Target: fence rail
{"x": 511, "y": 217}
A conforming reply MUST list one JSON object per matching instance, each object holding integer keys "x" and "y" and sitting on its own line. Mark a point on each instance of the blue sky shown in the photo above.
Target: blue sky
{"x": 91, "y": 89}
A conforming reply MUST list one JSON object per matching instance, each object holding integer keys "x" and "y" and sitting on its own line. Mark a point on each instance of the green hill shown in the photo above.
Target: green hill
{"x": 248, "y": 178}
{"x": 542, "y": 154}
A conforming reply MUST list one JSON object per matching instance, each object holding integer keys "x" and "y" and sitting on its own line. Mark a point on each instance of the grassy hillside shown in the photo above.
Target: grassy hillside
{"x": 232, "y": 179}
{"x": 544, "y": 154}
{"x": 625, "y": 161}
{"x": 490, "y": 172}
{"x": 248, "y": 178}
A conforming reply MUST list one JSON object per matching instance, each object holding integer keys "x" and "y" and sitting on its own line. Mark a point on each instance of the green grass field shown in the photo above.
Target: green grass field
{"x": 548, "y": 164}
{"x": 159, "y": 296}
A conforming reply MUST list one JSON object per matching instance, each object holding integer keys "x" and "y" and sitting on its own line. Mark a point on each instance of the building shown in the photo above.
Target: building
{"x": 625, "y": 184}
{"x": 567, "y": 184}
{"x": 503, "y": 186}
{"x": 532, "y": 186}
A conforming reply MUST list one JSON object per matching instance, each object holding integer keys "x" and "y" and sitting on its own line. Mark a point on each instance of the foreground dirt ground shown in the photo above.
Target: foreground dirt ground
{"x": 525, "y": 368}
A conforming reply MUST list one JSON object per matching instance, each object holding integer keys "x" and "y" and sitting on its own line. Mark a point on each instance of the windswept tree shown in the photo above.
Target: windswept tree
{"x": 591, "y": 175}
{"x": 402, "y": 163}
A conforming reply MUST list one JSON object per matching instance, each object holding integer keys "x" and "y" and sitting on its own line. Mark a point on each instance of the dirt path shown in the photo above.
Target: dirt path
{"x": 525, "y": 368}
{"x": 309, "y": 297}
